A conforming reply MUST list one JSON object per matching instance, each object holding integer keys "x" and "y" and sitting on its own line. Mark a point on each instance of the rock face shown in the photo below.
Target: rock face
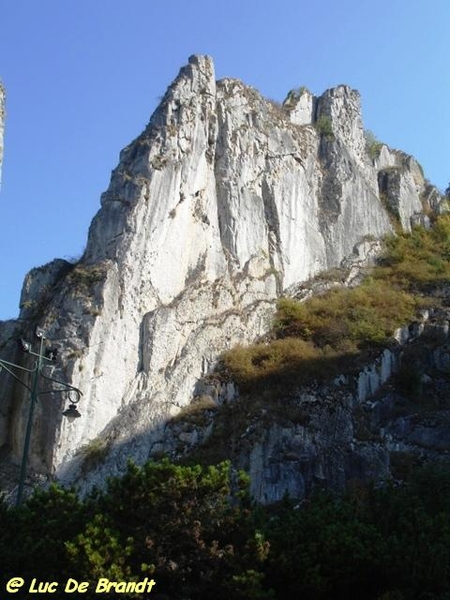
{"x": 224, "y": 202}
{"x": 401, "y": 184}
{"x": 371, "y": 425}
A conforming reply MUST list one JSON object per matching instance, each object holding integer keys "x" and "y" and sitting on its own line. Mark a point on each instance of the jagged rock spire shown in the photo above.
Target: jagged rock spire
{"x": 221, "y": 205}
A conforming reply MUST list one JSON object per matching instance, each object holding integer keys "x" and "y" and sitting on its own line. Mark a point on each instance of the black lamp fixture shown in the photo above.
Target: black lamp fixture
{"x": 72, "y": 413}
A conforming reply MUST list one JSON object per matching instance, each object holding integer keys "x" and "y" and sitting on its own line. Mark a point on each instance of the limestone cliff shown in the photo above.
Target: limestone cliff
{"x": 373, "y": 425}
{"x": 222, "y": 204}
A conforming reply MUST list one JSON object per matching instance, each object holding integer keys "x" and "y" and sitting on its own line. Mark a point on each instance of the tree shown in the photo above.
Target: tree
{"x": 189, "y": 528}
{"x": 32, "y": 543}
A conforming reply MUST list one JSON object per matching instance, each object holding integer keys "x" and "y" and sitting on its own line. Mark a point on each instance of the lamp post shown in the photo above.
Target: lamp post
{"x": 42, "y": 358}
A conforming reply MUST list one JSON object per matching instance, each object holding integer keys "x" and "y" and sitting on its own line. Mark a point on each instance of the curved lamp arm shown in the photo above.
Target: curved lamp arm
{"x": 66, "y": 387}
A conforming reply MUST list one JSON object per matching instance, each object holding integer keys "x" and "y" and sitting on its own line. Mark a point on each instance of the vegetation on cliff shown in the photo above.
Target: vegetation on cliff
{"x": 194, "y": 529}
{"x": 195, "y": 532}
{"x": 331, "y": 333}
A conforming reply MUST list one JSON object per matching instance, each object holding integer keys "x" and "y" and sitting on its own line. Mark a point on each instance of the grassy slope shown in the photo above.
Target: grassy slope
{"x": 328, "y": 334}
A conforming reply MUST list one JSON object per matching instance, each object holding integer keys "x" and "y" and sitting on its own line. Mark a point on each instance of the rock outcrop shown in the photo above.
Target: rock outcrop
{"x": 223, "y": 203}
{"x": 369, "y": 425}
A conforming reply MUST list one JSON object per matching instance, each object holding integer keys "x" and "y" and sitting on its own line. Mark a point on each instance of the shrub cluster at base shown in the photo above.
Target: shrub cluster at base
{"x": 196, "y": 533}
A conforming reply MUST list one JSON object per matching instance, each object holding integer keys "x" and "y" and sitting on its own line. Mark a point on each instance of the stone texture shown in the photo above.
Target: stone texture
{"x": 330, "y": 435}
{"x": 301, "y": 107}
{"x": 401, "y": 188}
{"x": 223, "y": 203}
{"x": 39, "y": 287}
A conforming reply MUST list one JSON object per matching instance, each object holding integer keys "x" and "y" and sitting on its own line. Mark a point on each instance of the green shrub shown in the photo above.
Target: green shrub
{"x": 418, "y": 260}
{"x": 318, "y": 337}
{"x": 82, "y": 277}
{"x": 94, "y": 452}
{"x": 197, "y": 411}
{"x": 368, "y": 314}
{"x": 289, "y": 357}
{"x": 195, "y": 531}
{"x": 325, "y": 127}
{"x": 373, "y": 146}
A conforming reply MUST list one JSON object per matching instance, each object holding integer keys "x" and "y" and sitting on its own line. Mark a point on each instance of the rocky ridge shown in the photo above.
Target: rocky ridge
{"x": 225, "y": 202}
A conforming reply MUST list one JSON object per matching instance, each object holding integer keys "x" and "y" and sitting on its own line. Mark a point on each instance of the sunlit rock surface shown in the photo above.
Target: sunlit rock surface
{"x": 223, "y": 203}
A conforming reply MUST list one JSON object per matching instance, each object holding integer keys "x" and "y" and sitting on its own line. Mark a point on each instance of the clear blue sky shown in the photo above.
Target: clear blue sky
{"x": 83, "y": 77}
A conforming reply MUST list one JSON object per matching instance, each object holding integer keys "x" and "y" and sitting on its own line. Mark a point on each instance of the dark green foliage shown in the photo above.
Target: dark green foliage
{"x": 325, "y": 550}
{"x": 373, "y": 544}
{"x": 34, "y": 535}
{"x": 172, "y": 523}
{"x": 189, "y": 528}
{"x": 415, "y": 521}
{"x": 195, "y": 532}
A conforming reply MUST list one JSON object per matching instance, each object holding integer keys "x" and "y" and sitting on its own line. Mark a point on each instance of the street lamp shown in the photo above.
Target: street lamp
{"x": 71, "y": 413}
{"x": 42, "y": 357}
